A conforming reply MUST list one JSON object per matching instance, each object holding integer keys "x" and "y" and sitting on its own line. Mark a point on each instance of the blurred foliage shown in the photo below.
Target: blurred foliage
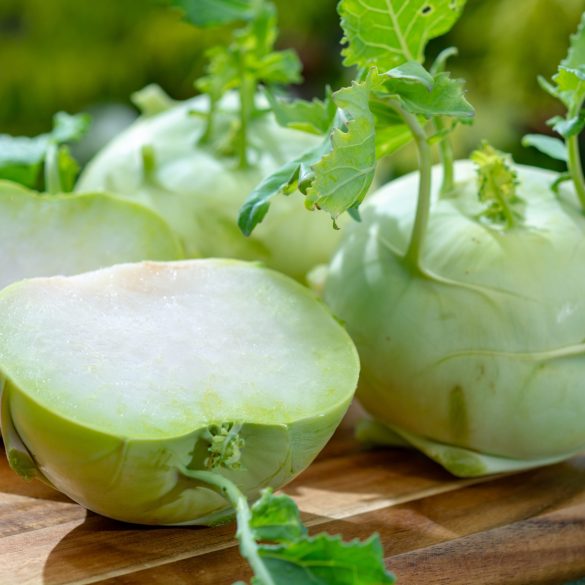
{"x": 71, "y": 55}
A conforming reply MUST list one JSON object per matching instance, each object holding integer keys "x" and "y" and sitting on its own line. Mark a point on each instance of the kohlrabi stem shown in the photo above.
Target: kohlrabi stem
{"x": 423, "y": 205}
{"x": 236, "y": 498}
{"x": 209, "y": 122}
{"x": 446, "y": 154}
{"x": 52, "y": 176}
{"x": 574, "y": 162}
{"x": 247, "y": 90}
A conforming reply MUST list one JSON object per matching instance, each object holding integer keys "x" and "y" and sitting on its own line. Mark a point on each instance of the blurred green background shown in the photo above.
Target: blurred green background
{"x": 90, "y": 56}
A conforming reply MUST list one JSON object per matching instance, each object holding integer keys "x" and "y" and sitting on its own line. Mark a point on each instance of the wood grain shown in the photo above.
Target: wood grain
{"x": 527, "y": 528}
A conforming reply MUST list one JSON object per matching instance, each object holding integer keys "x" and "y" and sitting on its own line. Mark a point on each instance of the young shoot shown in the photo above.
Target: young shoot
{"x": 242, "y": 66}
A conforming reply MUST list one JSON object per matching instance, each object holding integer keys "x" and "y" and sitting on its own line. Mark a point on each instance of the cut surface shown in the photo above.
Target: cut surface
{"x": 155, "y": 349}
{"x": 45, "y": 235}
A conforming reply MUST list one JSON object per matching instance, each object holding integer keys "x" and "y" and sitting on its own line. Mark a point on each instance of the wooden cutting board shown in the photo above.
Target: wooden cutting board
{"x": 527, "y": 528}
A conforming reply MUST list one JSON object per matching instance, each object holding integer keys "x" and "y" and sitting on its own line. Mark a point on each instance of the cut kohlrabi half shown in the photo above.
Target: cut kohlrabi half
{"x": 122, "y": 383}
{"x": 199, "y": 188}
{"x": 46, "y": 235}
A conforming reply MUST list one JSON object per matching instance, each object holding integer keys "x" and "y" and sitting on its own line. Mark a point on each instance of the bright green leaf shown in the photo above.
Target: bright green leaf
{"x": 314, "y": 117}
{"x": 215, "y": 12}
{"x": 344, "y": 175}
{"x": 412, "y": 71}
{"x": 276, "y": 518}
{"x": 281, "y": 67}
{"x": 283, "y": 180}
{"x": 386, "y": 33}
{"x": 567, "y": 127}
{"x": 327, "y": 560}
{"x": 446, "y": 98}
{"x": 548, "y": 145}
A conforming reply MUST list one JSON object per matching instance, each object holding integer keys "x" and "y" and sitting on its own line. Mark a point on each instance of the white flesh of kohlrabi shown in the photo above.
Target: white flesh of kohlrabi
{"x": 199, "y": 192}
{"x": 45, "y": 235}
{"x": 479, "y": 361}
{"x": 116, "y": 378}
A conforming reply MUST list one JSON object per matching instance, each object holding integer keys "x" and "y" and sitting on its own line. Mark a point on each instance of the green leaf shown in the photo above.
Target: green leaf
{"x": 548, "y": 145}
{"x": 412, "y": 71}
{"x": 327, "y": 560}
{"x": 344, "y": 175}
{"x": 215, "y": 12}
{"x": 68, "y": 128}
{"x": 446, "y": 97}
{"x": 386, "y": 33}
{"x": 276, "y": 519}
{"x": 313, "y": 117}
{"x": 22, "y": 158}
{"x": 283, "y": 180}
{"x": 567, "y": 127}
{"x": 280, "y": 67}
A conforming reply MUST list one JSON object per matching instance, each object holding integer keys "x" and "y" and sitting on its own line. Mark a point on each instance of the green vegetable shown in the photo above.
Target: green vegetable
{"x": 123, "y": 384}
{"x": 45, "y": 235}
{"x": 478, "y": 355}
{"x": 195, "y": 161}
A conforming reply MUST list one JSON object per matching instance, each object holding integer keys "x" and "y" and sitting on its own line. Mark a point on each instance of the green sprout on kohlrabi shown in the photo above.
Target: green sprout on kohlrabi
{"x": 464, "y": 299}
{"x": 194, "y": 161}
{"x": 46, "y": 230}
{"x": 228, "y": 389}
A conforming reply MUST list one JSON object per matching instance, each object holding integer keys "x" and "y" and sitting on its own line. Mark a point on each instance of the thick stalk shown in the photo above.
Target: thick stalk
{"x": 574, "y": 162}
{"x": 234, "y": 496}
{"x": 423, "y": 205}
{"x": 446, "y": 154}
{"x": 247, "y": 90}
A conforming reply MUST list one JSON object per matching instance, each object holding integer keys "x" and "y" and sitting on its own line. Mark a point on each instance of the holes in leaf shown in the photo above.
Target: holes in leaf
{"x": 426, "y": 10}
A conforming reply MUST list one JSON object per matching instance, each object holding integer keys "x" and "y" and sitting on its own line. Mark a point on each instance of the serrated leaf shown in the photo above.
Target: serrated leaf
{"x": 276, "y": 518}
{"x": 553, "y": 147}
{"x": 412, "y": 71}
{"x": 215, "y": 12}
{"x": 446, "y": 97}
{"x": 386, "y": 33}
{"x": 257, "y": 203}
{"x": 314, "y": 117}
{"x": 575, "y": 58}
{"x": 327, "y": 560}
{"x": 344, "y": 175}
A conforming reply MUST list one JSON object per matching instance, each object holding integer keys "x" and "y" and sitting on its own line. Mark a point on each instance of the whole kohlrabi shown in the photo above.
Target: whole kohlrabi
{"x": 194, "y": 162}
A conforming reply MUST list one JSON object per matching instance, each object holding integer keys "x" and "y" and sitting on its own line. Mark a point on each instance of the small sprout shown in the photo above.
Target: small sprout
{"x": 225, "y": 446}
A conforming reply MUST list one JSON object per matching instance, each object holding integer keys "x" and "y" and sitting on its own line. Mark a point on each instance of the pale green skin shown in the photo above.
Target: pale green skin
{"x": 479, "y": 361}
{"x": 200, "y": 192}
{"x": 46, "y": 235}
{"x": 136, "y": 476}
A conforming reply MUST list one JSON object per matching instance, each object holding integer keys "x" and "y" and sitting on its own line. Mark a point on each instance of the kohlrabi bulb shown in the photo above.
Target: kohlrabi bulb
{"x": 122, "y": 384}
{"x": 199, "y": 188}
{"x": 478, "y": 358}
{"x": 45, "y": 235}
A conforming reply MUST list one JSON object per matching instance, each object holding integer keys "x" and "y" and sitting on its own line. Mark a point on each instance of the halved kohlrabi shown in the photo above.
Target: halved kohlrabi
{"x": 46, "y": 235}
{"x": 121, "y": 383}
{"x": 199, "y": 189}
